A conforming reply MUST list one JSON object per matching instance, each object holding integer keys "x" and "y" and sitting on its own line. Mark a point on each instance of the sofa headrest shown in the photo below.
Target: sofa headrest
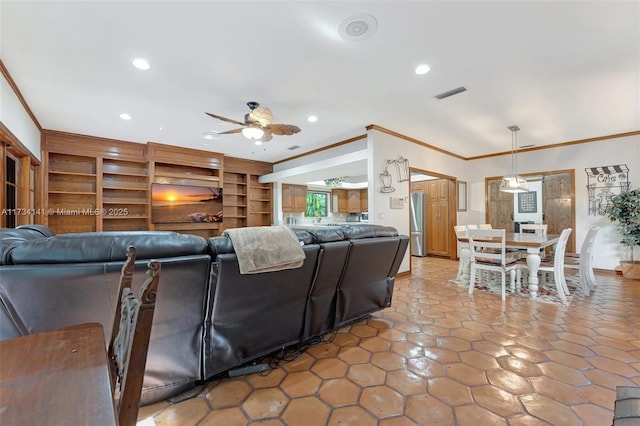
{"x": 368, "y": 231}
{"x": 12, "y": 236}
{"x": 326, "y": 234}
{"x": 43, "y": 230}
{"x": 104, "y": 247}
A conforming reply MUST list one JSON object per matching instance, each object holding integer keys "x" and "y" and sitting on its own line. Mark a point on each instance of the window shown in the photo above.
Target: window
{"x": 317, "y": 204}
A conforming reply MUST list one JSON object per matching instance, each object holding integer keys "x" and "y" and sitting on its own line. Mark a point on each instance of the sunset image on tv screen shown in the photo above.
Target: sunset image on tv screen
{"x": 185, "y": 203}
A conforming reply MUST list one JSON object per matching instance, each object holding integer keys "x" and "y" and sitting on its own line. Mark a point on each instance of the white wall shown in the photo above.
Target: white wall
{"x": 16, "y": 119}
{"x": 610, "y": 152}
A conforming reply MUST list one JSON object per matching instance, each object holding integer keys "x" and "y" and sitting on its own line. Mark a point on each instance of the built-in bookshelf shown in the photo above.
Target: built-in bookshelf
{"x": 125, "y": 195}
{"x": 72, "y": 182}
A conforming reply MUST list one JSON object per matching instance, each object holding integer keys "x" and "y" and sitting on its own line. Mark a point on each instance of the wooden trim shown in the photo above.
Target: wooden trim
{"x": 242, "y": 165}
{"x": 344, "y": 142}
{"x": 14, "y": 87}
{"x": 559, "y": 145}
{"x": 405, "y": 273}
{"x": 16, "y": 147}
{"x": 161, "y": 153}
{"x": 413, "y": 140}
{"x": 430, "y": 173}
{"x": 92, "y": 146}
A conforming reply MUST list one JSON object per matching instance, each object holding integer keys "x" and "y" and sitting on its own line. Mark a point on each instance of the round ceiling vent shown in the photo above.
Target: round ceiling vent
{"x": 358, "y": 27}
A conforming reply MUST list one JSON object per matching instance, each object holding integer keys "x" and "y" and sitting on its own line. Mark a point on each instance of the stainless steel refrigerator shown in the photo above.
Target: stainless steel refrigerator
{"x": 418, "y": 224}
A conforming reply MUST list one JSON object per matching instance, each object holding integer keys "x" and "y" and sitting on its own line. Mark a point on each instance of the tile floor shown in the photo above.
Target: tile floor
{"x": 441, "y": 357}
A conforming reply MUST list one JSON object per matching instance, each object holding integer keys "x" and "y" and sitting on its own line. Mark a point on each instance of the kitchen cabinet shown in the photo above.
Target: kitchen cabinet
{"x": 353, "y": 201}
{"x": 364, "y": 200}
{"x": 437, "y": 190}
{"x": 339, "y": 201}
{"x": 346, "y": 201}
{"x": 418, "y": 186}
{"x": 438, "y": 227}
{"x": 294, "y": 198}
{"x": 438, "y": 216}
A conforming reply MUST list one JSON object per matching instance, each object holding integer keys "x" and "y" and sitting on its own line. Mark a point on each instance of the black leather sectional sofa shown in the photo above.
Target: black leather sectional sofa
{"x": 209, "y": 318}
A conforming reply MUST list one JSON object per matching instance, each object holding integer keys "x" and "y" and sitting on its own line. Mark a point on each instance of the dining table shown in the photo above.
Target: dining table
{"x": 533, "y": 244}
{"x": 57, "y": 377}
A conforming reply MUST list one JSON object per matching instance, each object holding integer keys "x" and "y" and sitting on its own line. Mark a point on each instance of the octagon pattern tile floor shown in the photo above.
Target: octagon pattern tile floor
{"x": 440, "y": 356}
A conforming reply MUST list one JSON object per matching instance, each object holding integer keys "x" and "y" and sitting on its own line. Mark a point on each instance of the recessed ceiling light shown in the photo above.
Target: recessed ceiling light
{"x": 312, "y": 119}
{"x": 141, "y": 64}
{"x": 258, "y": 142}
{"x": 125, "y": 116}
{"x": 422, "y": 69}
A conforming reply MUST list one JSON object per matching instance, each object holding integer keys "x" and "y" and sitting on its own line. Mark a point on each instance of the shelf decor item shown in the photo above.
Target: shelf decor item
{"x": 624, "y": 211}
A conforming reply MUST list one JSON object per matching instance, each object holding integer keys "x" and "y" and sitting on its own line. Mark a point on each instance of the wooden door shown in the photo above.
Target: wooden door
{"x": 499, "y": 207}
{"x": 557, "y": 205}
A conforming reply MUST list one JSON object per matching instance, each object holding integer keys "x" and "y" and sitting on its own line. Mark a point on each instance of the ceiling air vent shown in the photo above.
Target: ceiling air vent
{"x": 451, "y": 92}
{"x": 293, "y": 148}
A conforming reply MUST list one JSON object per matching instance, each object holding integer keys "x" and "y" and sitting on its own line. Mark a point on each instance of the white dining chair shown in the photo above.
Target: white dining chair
{"x": 463, "y": 251}
{"x": 583, "y": 261}
{"x": 533, "y": 228}
{"x": 485, "y": 226}
{"x": 488, "y": 253}
{"x": 554, "y": 267}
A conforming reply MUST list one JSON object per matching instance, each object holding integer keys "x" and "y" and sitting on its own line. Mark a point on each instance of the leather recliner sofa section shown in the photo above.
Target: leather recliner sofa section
{"x": 209, "y": 318}
{"x": 348, "y": 273}
{"x": 59, "y": 281}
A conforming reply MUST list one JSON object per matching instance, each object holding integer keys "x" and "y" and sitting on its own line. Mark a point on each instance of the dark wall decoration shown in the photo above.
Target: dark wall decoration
{"x": 603, "y": 183}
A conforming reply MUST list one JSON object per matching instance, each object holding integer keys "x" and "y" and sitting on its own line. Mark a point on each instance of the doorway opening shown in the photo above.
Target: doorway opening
{"x": 432, "y": 214}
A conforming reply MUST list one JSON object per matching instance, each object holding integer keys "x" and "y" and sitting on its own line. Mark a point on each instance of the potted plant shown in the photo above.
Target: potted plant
{"x": 624, "y": 211}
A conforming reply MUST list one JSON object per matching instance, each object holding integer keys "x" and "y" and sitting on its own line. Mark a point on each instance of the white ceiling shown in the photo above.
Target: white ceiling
{"x": 562, "y": 71}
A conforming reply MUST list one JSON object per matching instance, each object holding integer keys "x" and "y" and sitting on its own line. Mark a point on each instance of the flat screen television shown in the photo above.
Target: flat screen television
{"x": 185, "y": 203}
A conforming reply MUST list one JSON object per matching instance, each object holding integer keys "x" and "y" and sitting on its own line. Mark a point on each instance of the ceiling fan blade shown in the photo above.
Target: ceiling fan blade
{"x": 283, "y": 129}
{"x": 228, "y": 132}
{"x": 228, "y": 120}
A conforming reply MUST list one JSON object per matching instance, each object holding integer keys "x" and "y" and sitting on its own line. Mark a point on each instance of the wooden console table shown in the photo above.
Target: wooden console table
{"x": 56, "y": 377}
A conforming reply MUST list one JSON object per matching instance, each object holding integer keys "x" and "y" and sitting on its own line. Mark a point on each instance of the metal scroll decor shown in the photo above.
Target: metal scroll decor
{"x": 603, "y": 183}
{"x": 402, "y": 169}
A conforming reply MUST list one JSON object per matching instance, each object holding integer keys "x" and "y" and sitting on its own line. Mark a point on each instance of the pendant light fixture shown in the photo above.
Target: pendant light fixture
{"x": 513, "y": 183}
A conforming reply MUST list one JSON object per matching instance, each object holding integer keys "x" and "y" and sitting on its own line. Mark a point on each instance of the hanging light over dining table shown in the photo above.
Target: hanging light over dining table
{"x": 514, "y": 183}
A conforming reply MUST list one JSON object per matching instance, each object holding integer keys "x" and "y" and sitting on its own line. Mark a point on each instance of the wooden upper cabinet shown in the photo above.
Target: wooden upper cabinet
{"x": 339, "y": 201}
{"x": 353, "y": 201}
{"x": 418, "y": 186}
{"x": 364, "y": 200}
{"x": 437, "y": 190}
{"x": 294, "y": 198}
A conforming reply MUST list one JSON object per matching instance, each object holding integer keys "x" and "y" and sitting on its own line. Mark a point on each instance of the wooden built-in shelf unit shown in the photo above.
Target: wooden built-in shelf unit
{"x": 105, "y": 188}
{"x": 247, "y": 202}
{"x": 97, "y": 184}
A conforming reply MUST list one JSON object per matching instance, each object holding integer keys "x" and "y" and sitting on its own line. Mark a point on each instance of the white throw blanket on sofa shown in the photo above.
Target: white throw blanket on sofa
{"x": 266, "y": 248}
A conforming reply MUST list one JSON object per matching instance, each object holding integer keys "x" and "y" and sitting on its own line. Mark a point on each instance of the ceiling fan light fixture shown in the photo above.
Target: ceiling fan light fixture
{"x": 253, "y": 133}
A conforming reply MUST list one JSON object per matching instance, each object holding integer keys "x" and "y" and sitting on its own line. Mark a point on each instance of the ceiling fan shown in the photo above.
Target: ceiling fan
{"x": 257, "y": 124}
